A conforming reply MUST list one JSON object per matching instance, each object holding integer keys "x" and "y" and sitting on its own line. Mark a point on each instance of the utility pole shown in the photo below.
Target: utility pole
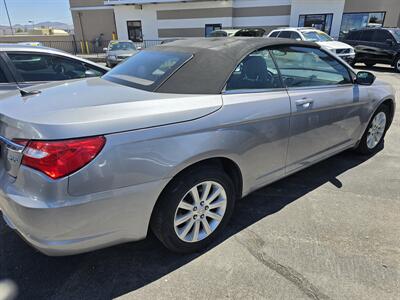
{"x": 8, "y": 16}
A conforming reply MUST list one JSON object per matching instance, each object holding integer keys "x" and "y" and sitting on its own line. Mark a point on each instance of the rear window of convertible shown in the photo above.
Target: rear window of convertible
{"x": 146, "y": 70}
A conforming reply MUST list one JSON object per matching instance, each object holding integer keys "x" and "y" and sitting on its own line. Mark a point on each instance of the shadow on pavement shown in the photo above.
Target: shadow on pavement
{"x": 115, "y": 271}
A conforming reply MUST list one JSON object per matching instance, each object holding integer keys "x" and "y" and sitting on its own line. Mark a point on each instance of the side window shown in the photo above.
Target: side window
{"x": 307, "y": 67}
{"x": 274, "y": 34}
{"x": 381, "y": 36}
{"x": 256, "y": 71}
{"x": 295, "y": 36}
{"x": 3, "y": 78}
{"x": 285, "y": 34}
{"x": 42, "y": 67}
{"x": 353, "y": 35}
{"x": 367, "y": 35}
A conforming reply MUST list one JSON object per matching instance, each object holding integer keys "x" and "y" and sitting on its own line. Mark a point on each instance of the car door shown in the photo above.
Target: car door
{"x": 385, "y": 46}
{"x": 325, "y": 105}
{"x": 257, "y": 108}
{"x": 31, "y": 68}
{"x": 366, "y": 49}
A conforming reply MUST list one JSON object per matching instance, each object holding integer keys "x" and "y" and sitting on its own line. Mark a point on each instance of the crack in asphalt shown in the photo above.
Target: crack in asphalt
{"x": 254, "y": 244}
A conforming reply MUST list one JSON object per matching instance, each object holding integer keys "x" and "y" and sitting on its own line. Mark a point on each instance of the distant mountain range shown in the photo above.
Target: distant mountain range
{"x": 57, "y": 25}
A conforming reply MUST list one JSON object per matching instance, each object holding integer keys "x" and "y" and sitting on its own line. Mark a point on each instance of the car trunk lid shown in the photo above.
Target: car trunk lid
{"x": 95, "y": 106}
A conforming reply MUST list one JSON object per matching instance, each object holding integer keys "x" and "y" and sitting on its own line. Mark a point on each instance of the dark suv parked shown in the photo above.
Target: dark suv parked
{"x": 376, "y": 45}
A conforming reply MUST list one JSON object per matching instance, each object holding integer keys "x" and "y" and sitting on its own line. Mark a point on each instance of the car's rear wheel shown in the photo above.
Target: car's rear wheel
{"x": 194, "y": 209}
{"x": 369, "y": 64}
{"x": 375, "y": 133}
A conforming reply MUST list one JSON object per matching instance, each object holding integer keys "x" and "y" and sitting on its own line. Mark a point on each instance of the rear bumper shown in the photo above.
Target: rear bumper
{"x": 82, "y": 224}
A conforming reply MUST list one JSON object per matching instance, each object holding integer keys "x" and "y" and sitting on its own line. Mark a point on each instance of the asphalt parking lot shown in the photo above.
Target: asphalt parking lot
{"x": 329, "y": 232}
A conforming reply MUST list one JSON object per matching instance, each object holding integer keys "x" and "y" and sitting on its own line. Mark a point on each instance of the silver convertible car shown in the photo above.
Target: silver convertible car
{"x": 171, "y": 138}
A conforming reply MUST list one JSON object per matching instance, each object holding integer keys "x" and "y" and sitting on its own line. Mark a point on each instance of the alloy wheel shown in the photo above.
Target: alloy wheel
{"x": 200, "y": 211}
{"x": 376, "y": 130}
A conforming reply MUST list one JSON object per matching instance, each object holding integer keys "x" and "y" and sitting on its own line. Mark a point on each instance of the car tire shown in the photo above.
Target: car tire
{"x": 369, "y": 64}
{"x": 176, "y": 204}
{"x": 374, "y": 135}
{"x": 397, "y": 64}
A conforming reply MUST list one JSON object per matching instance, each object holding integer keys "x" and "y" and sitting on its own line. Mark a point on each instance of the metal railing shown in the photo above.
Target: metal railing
{"x": 90, "y": 48}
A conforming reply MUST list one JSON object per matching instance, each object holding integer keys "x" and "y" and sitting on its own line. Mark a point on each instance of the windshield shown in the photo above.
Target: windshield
{"x": 146, "y": 70}
{"x": 316, "y": 36}
{"x": 115, "y": 46}
{"x": 396, "y": 34}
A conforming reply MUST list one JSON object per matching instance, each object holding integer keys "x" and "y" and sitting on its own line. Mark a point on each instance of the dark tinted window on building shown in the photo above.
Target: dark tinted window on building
{"x": 210, "y": 28}
{"x": 354, "y": 21}
{"x": 135, "y": 31}
{"x": 321, "y": 22}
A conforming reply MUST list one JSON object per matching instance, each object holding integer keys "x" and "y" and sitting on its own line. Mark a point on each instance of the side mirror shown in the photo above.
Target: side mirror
{"x": 365, "y": 78}
{"x": 389, "y": 42}
{"x": 90, "y": 73}
{"x": 105, "y": 49}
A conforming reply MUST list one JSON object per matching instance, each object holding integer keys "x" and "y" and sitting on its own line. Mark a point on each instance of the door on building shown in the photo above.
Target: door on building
{"x": 321, "y": 22}
{"x": 135, "y": 33}
{"x": 211, "y": 27}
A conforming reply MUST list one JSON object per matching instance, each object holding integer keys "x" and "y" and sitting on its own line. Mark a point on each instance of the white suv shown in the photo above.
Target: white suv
{"x": 344, "y": 51}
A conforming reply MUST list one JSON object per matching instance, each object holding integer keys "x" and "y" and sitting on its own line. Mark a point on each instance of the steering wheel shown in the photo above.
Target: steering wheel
{"x": 270, "y": 78}
{"x": 59, "y": 69}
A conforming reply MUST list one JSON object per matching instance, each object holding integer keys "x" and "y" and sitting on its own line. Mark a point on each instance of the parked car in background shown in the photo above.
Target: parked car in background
{"x": 249, "y": 32}
{"x": 376, "y": 45}
{"x": 117, "y": 51}
{"x": 172, "y": 137}
{"x": 22, "y": 66}
{"x": 344, "y": 51}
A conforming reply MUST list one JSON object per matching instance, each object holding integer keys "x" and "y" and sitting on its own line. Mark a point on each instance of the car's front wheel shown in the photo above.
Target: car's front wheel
{"x": 397, "y": 64}
{"x": 375, "y": 133}
{"x": 194, "y": 209}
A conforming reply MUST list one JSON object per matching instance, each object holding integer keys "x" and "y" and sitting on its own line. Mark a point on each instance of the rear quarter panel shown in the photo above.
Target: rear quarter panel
{"x": 244, "y": 132}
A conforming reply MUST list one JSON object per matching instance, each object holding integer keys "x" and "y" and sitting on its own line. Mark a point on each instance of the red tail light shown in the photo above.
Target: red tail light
{"x": 60, "y": 158}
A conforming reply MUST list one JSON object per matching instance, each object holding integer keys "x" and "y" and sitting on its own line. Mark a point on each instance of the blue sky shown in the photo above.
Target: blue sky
{"x": 22, "y": 11}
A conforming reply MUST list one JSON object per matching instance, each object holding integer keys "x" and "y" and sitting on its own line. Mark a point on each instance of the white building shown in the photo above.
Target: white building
{"x": 153, "y": 20}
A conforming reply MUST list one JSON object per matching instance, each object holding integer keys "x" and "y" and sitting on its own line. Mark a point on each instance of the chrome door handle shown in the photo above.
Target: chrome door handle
{"x": 304, "y": 102}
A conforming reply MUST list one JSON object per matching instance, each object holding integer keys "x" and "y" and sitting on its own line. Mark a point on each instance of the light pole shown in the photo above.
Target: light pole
{"x": 8, "y": 16}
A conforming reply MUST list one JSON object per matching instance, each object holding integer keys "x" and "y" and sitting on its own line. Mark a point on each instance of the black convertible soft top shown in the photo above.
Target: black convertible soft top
{"x": 214, "y": 60}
